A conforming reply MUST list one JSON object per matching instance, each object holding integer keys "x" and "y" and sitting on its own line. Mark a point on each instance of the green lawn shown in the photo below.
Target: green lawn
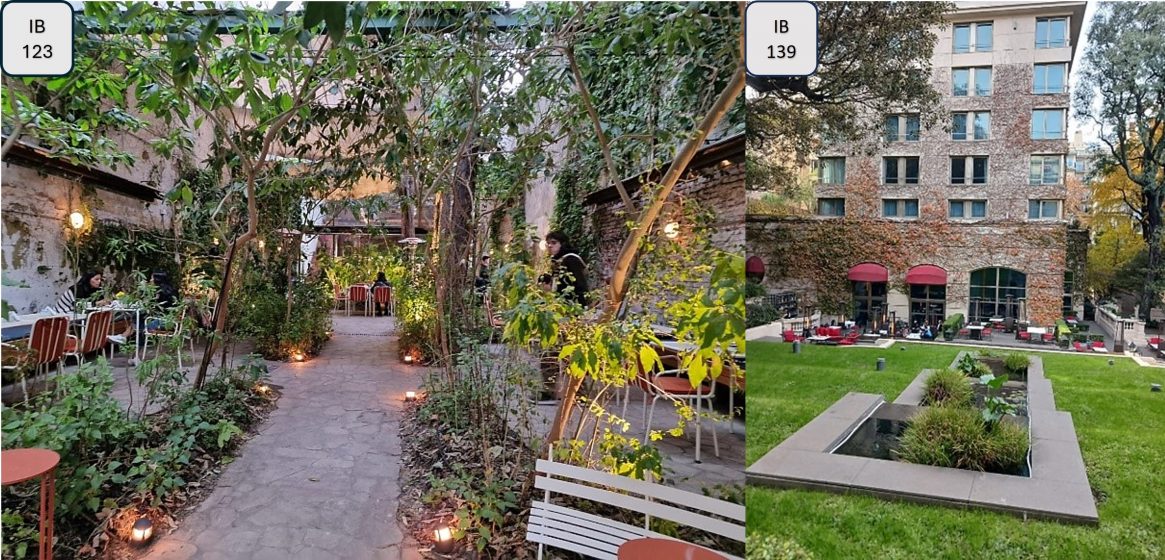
{"x": 1120, "y": 424}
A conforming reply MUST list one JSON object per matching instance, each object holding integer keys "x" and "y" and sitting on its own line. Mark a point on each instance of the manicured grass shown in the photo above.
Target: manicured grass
{"x": 1119, "y": 422}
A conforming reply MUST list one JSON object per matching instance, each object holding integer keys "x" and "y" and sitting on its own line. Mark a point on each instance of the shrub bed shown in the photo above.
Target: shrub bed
{"x": 959, "y": 438}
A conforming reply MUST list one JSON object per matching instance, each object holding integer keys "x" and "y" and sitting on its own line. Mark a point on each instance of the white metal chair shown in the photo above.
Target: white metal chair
{"x": 165, "y": 333}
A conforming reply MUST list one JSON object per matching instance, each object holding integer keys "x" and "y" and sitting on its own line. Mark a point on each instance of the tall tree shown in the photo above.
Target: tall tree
{"x": 1121, "y": 89}
{"x": 854, "y": 87}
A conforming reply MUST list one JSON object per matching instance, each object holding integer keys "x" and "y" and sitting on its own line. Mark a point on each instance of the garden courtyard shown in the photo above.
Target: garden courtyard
{"x": 377, "y": 280}
{"x": 1118, "y": 421}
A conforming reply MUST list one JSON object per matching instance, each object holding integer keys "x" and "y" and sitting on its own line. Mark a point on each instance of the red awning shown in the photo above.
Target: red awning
{"x": 926, "y": 275}
{"x": 754, "y": 265}
{"x": 868, "y": 272}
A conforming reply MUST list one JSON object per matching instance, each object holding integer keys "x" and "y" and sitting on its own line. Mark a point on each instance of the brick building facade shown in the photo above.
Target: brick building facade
{"x": 973, "y": 215}
{"x": 714, "y": 180}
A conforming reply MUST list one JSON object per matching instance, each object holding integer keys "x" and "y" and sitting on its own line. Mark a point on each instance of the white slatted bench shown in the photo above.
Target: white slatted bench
{"x": 598, "y": 537}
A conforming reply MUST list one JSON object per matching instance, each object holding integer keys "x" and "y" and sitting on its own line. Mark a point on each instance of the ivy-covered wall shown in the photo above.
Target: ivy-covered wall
{"x": 813, "y": 256}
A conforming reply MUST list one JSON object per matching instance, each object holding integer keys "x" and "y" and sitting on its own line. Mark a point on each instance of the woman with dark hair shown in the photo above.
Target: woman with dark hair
{"x": 85, "y": 288}
{"x": 568, "y": 272}
{"x": 381, "y": 280}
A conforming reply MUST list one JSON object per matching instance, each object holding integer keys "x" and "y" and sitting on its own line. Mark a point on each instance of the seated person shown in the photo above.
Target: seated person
{"x": 87, "y": 287}
{"x": 381, "y": 280}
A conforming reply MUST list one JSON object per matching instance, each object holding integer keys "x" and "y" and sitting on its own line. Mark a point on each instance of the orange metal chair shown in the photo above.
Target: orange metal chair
{"x": 48, "y": 341}
{"x": 382, "y": 295}
{"x": 674, "y": 384}
{"x": 94, "y": 335}
{"x": 357, "y": 294}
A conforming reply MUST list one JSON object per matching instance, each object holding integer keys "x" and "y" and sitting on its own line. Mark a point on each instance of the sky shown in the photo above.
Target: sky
{"x": 1091, "y": 133}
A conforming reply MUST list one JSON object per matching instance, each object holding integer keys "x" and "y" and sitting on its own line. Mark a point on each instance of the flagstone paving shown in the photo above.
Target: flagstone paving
{"x": 321, "y": 478}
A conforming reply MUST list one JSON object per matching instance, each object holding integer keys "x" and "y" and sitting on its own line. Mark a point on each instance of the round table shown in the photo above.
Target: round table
{"x": 664, "y": 549}
{"x": 26, "y": 464}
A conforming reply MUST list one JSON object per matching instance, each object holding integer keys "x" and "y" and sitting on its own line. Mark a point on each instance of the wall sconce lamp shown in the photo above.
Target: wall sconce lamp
{"x": 77, "y": 219}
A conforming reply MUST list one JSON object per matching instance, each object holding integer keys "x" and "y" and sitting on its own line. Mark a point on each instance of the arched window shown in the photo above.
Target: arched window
{"x": 996, "y": 292}
{"x": 869, "y": 294}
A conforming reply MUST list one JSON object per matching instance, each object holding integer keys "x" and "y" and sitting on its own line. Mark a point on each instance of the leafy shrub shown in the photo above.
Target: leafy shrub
{"x": 952, "y": 325}
{"x": 770, "y": 547}
{"x": 947, "y": 387}
{"x": 754, "y": 289}
{"x": 761, "y": 314}
{"x": 958, "y": 438}
{"x": 1016, "y": 362}
{"x": 263, "y": 316}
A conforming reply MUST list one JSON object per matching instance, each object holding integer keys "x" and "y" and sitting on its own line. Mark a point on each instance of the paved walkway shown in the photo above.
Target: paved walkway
{"x": 320, "y": 481}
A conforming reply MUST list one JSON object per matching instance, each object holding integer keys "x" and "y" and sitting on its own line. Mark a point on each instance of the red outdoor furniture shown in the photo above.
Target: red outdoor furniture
{"x": 833, "y": 331}
{"x": 987, "y": 333}
{"x": 965, "y": 332}
{"x": 94, "y": 335}
{"x": 1079, "y": 347}
{"x": 850, "y": 339}
{"x": 26, "y": 464}
{"x": 358, "y": 295}
{"x": 673, "y": 384}
{"x": 382, "y": 295}
{"x": 1098, "y": 344}
{"x": 1023, "y": 335}
{"x": 790, "y": 336}
{"x": 1048, "y": 337}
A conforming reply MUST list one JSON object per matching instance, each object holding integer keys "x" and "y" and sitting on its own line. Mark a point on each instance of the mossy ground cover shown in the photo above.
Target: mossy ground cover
{"x": 1119, "y": 422}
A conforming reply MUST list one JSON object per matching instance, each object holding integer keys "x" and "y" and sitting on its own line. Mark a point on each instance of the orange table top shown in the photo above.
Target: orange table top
{"x": 664, "y": 549}
{"x": 19, "y": 465}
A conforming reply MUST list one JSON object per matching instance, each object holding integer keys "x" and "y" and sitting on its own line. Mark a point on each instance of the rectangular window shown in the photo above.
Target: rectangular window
{"x": 901, "y": 128}
{"x": 983, "y": 37}
{"x": 971, "y": 126}
{"x": 1051, "y": 32}
{"x": 1043, "y": 209}
{"x": 961, "y": 82}
{"x": 900, "y": 170}
{"x": 972, "y": 37}
{"x": 831, "y": 207}
{"x": 1048, "y": 124}
{"x": 982, "y": 82}
{"x": 1046, "y": 170}
{"x": 831, "y": 171}
{"x": 977, "y": 166}
{"x": 900, "y": 208}
{"x": 961, "y": 209}
{"x": 971, "y": 81}
{"x": 1049, "y": 78}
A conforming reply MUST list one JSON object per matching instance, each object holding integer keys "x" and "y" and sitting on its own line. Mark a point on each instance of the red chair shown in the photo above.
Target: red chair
{"x": 833, "y": 331}
{"x": 674, "y": 385}
{"x": 1098, "y": 344}
{"x": 850, "y": 339}
{"x": 382, "y": 295}
{"x": 1079, "y": 347}
{"x": 987, "y": 331}
{"x": 1023, "y": 335}
{"x": 965, "y": 332}
{"x": 1048, "y": 337}
{"x": 357, "y": 294}
{"x": 48, "y": 342}
{"x": 791, "y": 336}
{"x": 94, "y": 335}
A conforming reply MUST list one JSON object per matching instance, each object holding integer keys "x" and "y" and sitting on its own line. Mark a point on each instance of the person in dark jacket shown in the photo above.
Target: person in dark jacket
{"x": 381, "y": 280}
{"x": 85, "y": 288}
{"x": 568, "y": 272}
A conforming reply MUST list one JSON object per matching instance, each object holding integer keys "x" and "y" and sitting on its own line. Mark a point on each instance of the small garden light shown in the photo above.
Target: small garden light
{"x": 77, "y": 220}
{"x": 408, "y": 358}
{"x": 143, "y": 529}
{"x": 263, "y": 389}
{"x": 444, "y": 539}
{"x": 672, "y": 230}
{"x": 298, "y": 356}
{"x": 410, "y": 395}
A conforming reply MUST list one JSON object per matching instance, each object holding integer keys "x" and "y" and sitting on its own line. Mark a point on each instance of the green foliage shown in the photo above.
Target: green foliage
{"x": 1016, "y": 362}
{"x": 995, "y": 407}
{"x": 967, "y": 364}
{"x": 771, "y": 547}
{"x": 947, "y": 387}
{"x": 758, "y": 314}
{"x": 282, "y": 323}
{"x": 127, "y": 249}
{"x": 571, "y": 213}
{"x": 958, "y": 438}
{"x": 952, "y": 325}
{"x": 628, "y": 457}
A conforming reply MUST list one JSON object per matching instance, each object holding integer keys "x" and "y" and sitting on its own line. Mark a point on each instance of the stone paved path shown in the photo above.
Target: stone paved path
{"x": 320, "y": 481}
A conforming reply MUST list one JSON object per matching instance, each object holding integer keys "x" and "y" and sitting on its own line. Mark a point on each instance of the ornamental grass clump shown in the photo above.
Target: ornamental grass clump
{"x": 947, "y": 387}
{"x": 958, "y": 438}
{"x": 1016, "y": 363}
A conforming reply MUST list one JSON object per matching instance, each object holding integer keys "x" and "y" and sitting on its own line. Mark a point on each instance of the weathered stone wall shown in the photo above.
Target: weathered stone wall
{"x": 812, "y": 258}
{"x": 37, "y": 240}
{"x": 719, "y": 190}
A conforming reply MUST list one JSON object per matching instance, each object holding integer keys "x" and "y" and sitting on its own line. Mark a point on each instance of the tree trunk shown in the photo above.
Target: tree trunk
{"x": 627, "y": 255}
{"x": 408, "y": 226}
{"x": 456, "y": 244}
{"x": 1153, "y": 233}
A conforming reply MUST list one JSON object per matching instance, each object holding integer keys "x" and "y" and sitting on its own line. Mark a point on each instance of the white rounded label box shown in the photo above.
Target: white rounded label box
{"x": 780, "y": 38}
{"x": 38, "y": 38}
